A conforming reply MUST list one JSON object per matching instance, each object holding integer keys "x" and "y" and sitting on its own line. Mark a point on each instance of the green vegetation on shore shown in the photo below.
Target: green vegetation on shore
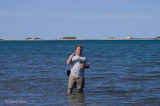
{"x": 69, "y": 38}
{"x": 29, "y": 38}
{"x": 37, "y": 38}
{"x": 74, "y": 38}
{"x": 157, "y": 37}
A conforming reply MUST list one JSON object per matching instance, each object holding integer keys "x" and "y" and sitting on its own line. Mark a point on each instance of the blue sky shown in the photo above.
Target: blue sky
{"x": 84, "y": 19}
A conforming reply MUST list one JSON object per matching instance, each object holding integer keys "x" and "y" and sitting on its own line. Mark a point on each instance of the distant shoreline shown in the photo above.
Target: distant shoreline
{"x": 78, "y": 39}
{"x": 74, "y": 38}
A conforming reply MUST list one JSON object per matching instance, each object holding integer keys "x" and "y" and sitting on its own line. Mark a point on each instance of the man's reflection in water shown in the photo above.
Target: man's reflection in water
{"x": 76, "y": 100}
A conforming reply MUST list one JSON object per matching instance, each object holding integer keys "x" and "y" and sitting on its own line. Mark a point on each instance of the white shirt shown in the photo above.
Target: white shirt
{"x": 76, "y": 70}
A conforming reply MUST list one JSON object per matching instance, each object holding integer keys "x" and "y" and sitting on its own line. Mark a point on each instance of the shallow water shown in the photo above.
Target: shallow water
{"x": 121, "y": 73}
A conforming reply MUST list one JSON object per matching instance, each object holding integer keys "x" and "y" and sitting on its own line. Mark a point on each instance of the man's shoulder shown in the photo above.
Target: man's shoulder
{"x": 83, "y": 55}
{"x": 76, "y": 57}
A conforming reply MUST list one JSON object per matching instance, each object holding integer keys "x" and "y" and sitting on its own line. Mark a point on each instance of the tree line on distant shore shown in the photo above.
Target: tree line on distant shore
{"x": 37, "y": 38}
{"x": 68, "y": 38}
{"x": 29, "y": 38}
{"x": 157, "y": 37}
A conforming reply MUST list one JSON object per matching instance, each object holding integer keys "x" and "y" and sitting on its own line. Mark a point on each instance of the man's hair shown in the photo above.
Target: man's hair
{"x": 79, "y": 46}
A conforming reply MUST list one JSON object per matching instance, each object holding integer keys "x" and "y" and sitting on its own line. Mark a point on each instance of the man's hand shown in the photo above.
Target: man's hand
{"x": 84, "y": 66}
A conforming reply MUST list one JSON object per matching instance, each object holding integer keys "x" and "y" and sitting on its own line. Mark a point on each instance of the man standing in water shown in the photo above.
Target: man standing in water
{"x": 78, "y": 65}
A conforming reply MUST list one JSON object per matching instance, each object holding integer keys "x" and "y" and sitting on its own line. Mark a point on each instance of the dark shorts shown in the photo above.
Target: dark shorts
{"x": 73, "y": 81}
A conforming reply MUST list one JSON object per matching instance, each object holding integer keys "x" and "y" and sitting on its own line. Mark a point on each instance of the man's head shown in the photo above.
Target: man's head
{"x": 78, "y": 50}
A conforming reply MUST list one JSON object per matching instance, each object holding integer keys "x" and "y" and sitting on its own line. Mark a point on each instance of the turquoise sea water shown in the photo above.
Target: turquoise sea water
{"x": 122, "y": 72}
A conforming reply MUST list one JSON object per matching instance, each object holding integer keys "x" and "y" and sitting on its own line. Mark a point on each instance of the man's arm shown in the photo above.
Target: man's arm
{"x": 86, "y": 66}
{"x": 70, "y": 59}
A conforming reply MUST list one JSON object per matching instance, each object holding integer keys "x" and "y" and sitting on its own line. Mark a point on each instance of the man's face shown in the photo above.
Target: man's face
{"x": 78, "y": 51}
